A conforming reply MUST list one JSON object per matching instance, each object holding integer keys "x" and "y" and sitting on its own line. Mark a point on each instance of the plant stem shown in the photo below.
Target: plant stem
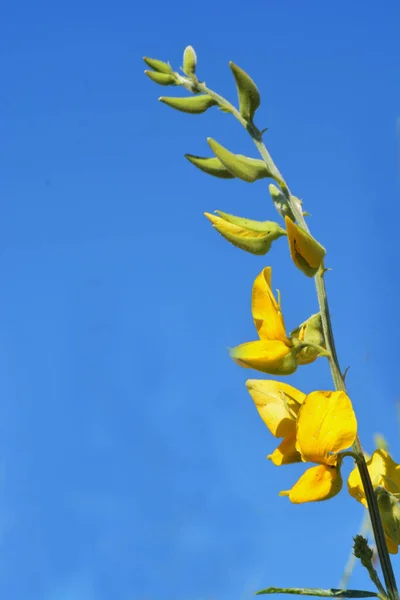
{"x": 256, "y": 135}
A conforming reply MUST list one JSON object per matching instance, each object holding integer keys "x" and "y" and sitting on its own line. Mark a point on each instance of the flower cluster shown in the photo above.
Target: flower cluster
{"x": 314, "y": 428}
{"x": 318, "y": 428}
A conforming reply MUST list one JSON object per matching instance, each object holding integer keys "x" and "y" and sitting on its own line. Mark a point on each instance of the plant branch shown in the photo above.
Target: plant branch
{"x": 193, "y": 85}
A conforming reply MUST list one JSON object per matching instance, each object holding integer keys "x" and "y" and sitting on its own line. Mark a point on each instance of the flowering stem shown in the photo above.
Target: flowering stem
{"x": 193, "y": 85}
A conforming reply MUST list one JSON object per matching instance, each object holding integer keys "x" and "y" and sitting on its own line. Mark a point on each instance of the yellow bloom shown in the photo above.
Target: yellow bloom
{"x": 307, "y": 254}
{"x": 384, "y": 473}
{"x": 278, "y": 405}
{"x": 325, "y": 425}
{"x": 274, "y": 352}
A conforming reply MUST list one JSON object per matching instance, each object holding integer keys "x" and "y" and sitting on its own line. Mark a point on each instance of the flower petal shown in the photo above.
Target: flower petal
{"x": 383, "y": 470}
{"x": 277, "y": 404}
{"x": 307, "y": 254}
{"x": 326, "y": 424}
{"x": 318, "y": 483}
{"x": 267, "y": 315}
{"x": 273, "y": 357}
{"x": 390, "y": 514}
{"x": 392, "y": 546}
{"x": 286, "y": 452}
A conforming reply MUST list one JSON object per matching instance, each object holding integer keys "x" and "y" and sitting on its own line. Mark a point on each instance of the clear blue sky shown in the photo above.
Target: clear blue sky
{"x": 132, "y": 461}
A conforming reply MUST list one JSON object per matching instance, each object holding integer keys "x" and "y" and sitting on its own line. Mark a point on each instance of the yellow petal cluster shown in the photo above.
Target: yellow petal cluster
{"x": 274, "y": 352}
{"x": 278, "y": 405}
{"x": 315, "y": 429}
{"x": 385, "y": 474}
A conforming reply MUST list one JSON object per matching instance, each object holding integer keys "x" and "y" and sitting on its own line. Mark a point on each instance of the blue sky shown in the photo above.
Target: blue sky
{"x": 132, "y": 461}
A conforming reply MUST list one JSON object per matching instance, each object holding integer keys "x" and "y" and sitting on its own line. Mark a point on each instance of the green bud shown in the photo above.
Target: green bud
{"x": 255, "y": 237}
{"x": 158, "y": 65}
{"x": 248, "y": 94}
{"x": 161, "y": 78}
{"x": 243, "y": 167}
{"x": 189, "y": 61}
{"x": 194, "y": 105}
{"x": 211, "y": 166}
{"x": 280, "y": 201}
{"x": 362, "y": 550}
{"x": 257, "y": 226}
{"x": 390, "y": 513}
{"x": 311, "y": 332}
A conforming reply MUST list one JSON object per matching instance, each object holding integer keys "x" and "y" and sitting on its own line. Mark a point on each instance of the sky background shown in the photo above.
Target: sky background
{"x": 132, "y": 459}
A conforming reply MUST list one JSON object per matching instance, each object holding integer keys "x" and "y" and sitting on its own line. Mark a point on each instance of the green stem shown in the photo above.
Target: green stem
{"x": 375, "y": 579}
{"x": 376, "y": 522}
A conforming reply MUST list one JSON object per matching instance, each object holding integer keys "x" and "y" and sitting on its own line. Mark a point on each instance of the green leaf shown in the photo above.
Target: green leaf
{"x": 158, "y": 65}
{"x": 248, "y": 94}
{"x": 194, "y": 105}
{"x": 212, "y": 166}
{"x": 332, "y": 593}
{"x": 243, "y": 167}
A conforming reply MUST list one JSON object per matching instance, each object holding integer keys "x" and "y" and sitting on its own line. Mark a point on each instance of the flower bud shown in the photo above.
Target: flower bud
{"x": 255, "y": 237}
{"x": 390, "y": 513}
{"x": 211, "y": 166}
{"x": 310, "y": 331}
{"x": 280, "y": 201}
{"x": 307, "y": 254}
{"x": 158, "y": 65}
{"x": 248, "y": 94}
{"x": 243, "y": 167}
{"x": 189, "y": 61}
{"x": 194, "y": 105}
{"x": 161, "y": 78}
{"x": 362, "y": 551}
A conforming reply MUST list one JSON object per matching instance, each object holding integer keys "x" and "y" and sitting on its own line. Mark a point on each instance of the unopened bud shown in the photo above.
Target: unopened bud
{"x": 390, "y": 513}
{"x": 362, "y": 551}
{"x": 307, "y": 254}
{"x": 161, "y": 78}
{"x": 243, "y": 167}
{"x": 158, "y": 65}
{"x": 255, "y": 237}
{"x": 189, "y": 61}
{"x": 194, "y": 105}
{"x": 280, "y": 202}
{"x": 311, "y": 331}
{"x": 212, "y": 166}
{"x": 248, "y": 94}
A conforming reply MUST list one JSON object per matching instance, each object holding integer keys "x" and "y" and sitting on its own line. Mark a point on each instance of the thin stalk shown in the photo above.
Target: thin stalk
{"x": 338, "y": 380}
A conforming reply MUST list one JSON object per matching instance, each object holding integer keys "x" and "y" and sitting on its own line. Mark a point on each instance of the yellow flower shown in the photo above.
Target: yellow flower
{"x": 274, "y": 352}
{"x": 307, "y": 254}
{"x": 278, "y": 405}
{"x": 325, "y": 425}
{"x": 384, "y": 473}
